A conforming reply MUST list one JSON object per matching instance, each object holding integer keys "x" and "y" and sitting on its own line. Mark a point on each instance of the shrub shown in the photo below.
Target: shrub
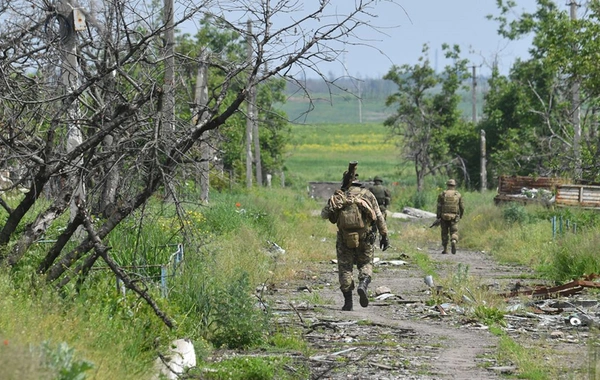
{"x": 239, "y": 323}
{"x": 515, "y": 213}
{"x": 61, "y": 361}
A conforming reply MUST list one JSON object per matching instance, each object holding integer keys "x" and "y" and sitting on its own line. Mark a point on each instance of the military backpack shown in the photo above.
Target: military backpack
{"x": 354, "y": 216}
{"x": 450, "y": 205}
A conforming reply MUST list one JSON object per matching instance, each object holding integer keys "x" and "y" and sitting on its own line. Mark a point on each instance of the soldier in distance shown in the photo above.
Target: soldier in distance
{"x": 383, "y": 195}
{"x": 450, "y": 209}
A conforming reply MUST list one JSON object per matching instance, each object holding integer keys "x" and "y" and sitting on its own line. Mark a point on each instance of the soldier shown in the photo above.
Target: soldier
{"x": 383, "y": 195}
{"x": 354, "y": 209}
{"x": 450, "y": 209}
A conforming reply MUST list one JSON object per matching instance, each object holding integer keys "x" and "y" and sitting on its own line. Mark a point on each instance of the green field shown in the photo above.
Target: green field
{"x": 345, "y": 109}
{"x": 322, "y": 152}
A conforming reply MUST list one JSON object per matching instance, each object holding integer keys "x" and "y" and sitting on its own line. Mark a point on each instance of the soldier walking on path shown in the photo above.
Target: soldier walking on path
{"x": 450, "y": 209}
{"x": 383, "y": 195}
{"x": 354, "y": 210}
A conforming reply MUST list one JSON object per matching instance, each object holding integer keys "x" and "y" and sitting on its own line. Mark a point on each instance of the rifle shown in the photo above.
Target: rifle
{"x": 436, "y": 223}
{"x": 349, "y": 175}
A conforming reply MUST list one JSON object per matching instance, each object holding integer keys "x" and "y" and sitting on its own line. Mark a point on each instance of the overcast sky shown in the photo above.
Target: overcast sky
{"x": 435, "y": 22}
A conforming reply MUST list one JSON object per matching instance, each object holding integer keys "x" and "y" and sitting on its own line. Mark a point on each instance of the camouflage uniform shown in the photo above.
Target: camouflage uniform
{"x": 450, "y": 209}
{"x": 383, "y": 195}
{"x": 362, "y": 255}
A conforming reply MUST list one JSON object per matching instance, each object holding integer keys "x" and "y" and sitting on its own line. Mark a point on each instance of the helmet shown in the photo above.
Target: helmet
{"x": 451, "y": 182}
{"x": 377, "y": 179}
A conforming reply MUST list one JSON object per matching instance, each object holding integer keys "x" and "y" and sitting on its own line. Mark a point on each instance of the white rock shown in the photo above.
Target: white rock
{"x": 181, "y": 355}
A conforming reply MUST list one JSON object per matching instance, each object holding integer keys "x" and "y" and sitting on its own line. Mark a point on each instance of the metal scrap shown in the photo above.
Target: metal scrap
{"x": 570, "y": 288}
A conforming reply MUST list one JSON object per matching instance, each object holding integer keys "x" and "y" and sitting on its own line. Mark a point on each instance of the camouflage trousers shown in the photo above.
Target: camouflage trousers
{"x": 362, "y": 257}
{"x": 449, "y": 227}
{"x": 383, "y": 212}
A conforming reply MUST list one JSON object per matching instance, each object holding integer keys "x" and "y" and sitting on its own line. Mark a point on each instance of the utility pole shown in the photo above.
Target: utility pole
{"x": 254, "y": 118}
{"x": 483, "y": 161}
{"x": 249, "y": 116}
{"x": 482, "y": 141}
{"x": 576, "y": 117}
{"x": 474, "y": 95}
{"x": 169, "y": 57}
{"x": 200, "y": 114}
{"x": 70, "y": 81}
{"x": 359, "y": 87}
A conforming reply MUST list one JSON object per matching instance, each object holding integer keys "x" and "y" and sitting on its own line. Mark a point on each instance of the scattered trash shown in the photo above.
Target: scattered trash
{"x": 429, "y": 281}
{"x": 304, "y": 288}
{"x": 275, "y": 248}
{"x": 382, "y": 290}
{"x": 383, "y": 297}
{"x": 392, "y": 262}
{"x": 573, "y": 287}
{"x": 573, "y": 320}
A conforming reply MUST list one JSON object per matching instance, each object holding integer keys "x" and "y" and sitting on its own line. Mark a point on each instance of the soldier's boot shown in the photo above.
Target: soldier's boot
{"x": 347, "y": 301}
{"x": 445, "y": 251}
{"x": 362, "y": 291}
{"x": 453, "y": 246}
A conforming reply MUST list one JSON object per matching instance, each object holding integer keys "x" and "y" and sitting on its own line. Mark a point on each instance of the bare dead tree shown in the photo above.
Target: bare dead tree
{"x": 124, "y": 156}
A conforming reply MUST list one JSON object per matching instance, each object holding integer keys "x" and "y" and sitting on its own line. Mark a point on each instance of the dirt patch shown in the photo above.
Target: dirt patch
{"x": 404, "y": 337}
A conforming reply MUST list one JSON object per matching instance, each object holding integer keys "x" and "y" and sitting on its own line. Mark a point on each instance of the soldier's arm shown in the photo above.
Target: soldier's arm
{"x": 461, "y": 206}
{"x": 439, "y": 206}
{"x": 328, "y": 213}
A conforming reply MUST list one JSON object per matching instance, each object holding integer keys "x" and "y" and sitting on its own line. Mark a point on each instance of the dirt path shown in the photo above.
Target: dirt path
{"x": 400, "y": 337}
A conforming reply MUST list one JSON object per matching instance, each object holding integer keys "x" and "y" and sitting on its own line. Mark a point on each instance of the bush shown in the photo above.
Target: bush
{"x": 239, "y": 323}
{"x": 61, "y": 361}
{"x": 515, "y": 213}
{"x": 419, "y": 200}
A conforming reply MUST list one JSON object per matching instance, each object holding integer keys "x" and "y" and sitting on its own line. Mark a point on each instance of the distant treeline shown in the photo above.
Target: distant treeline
{"x": 339, "y": 104}
{"x": 367, "y": 88}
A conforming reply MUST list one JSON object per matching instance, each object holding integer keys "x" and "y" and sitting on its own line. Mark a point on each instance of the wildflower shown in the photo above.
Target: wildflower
{"x": 5, "y": 342}
{"x": 238, "y": 204}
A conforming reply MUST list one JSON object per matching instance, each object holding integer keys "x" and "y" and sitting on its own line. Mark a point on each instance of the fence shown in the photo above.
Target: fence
{"x": 174, "y": 262}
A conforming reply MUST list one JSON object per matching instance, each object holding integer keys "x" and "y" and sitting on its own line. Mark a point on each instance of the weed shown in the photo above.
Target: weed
{"x": 239, "y": 324}
{"x": 461, "y": 276}
{"x": 288, "y": 340}
{"x": 530, "y": 363}
{"x": 252, "y": 368}
{"x": 61, "y": 360}
{"x": 424, "y": 262}
{"x": 489, "y": 315}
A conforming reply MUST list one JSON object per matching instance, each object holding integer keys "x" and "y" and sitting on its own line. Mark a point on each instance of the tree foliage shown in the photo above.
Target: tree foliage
{"x": 427, "y": 120}
{"x": 542, "y": 118}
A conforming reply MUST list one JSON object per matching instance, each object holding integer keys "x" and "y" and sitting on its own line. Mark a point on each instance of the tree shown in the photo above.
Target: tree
{"x": 229, "y": 140}
{"x": 426, "y": 112}
{"x": 534, "y": 114}
{"x": 121, "y": 104}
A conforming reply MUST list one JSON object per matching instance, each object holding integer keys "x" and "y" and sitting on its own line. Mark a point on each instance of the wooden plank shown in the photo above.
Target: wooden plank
{"x": 514, "y": 184}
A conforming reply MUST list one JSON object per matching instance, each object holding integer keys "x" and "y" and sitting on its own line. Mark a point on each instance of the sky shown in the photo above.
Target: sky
{"x": 461, "y": 22}
{"x": 408, "y": 25}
